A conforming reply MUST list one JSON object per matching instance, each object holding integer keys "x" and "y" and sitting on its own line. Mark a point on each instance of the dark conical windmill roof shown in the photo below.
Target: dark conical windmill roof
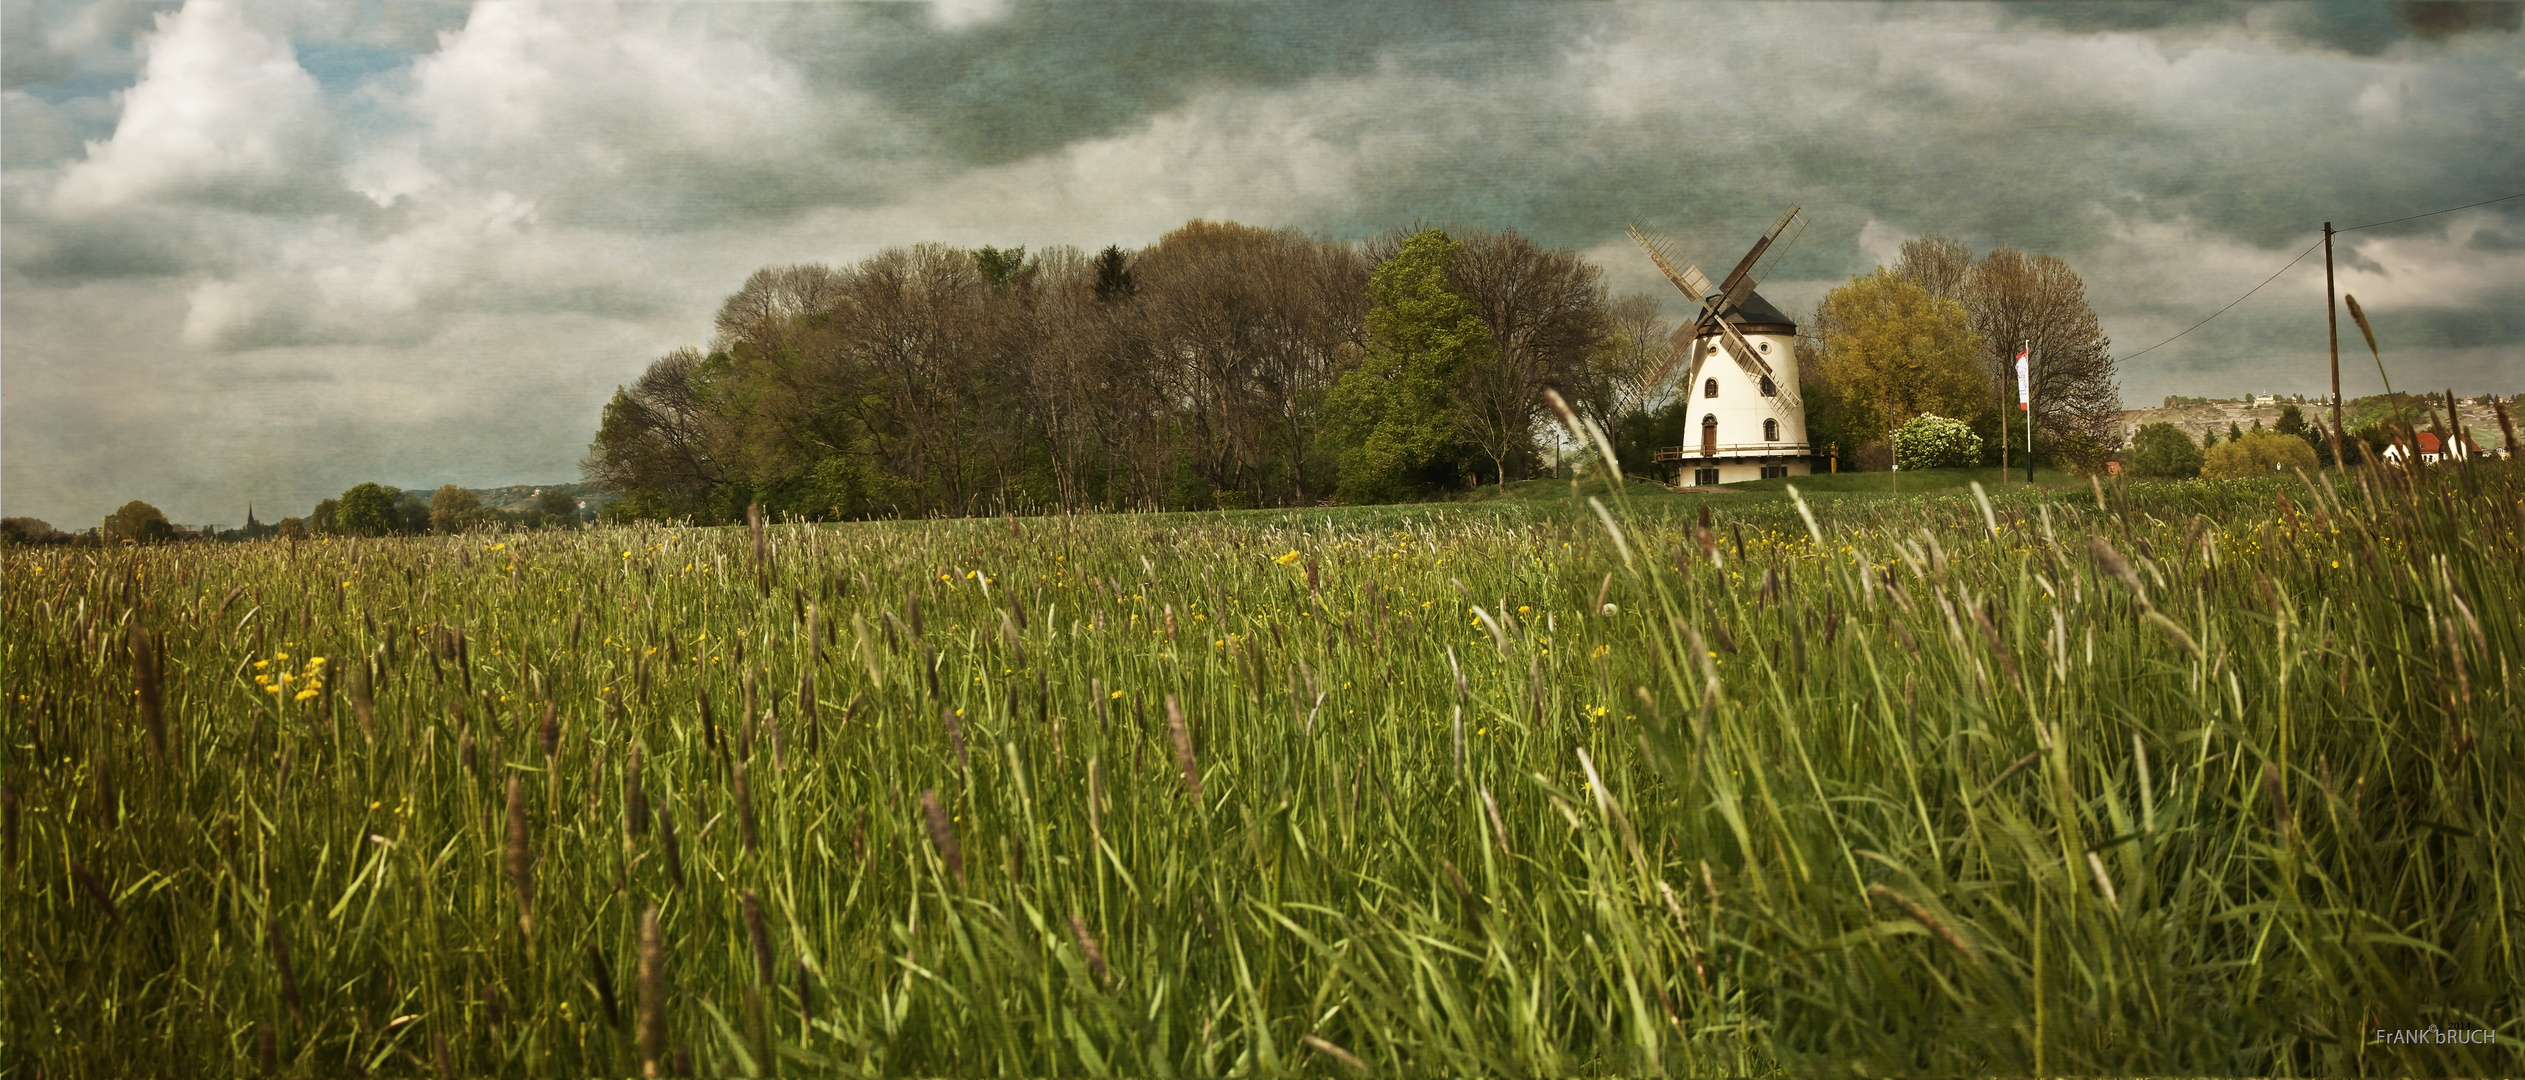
{"x": 1755, "y": 315}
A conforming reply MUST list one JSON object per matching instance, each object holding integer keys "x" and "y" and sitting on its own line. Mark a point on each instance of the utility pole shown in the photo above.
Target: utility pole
{"x": 2332, "y": 325}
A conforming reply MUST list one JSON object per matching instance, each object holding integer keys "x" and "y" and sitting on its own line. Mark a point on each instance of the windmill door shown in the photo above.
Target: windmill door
{"x": 1709, "y": 436}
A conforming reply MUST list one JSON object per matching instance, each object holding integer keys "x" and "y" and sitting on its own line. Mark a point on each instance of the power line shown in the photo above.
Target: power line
{"x": 2301, "y": 257}
{"x": 2275, "y": 276}
{"x": 2432, "y": 213}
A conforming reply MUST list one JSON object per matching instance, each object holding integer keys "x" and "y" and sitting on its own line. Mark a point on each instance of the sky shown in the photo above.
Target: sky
{"x": 264, "y": 251}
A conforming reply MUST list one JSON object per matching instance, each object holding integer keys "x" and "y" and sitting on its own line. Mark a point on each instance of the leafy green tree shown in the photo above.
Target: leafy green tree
{"x": 412, "y": 512}
{"x": 368, "y": 509}
{"x": 1001, "y": 265}
{"x": 2209, "y": 438}
{"x": 138, "y": 522}
{"x": 1393, "y": 415}
{"x": 557, "y": 507}
{"x": 2260, "y": 453}
{"x": 322, "y": 518}
{"x": 27, "y": 530}
{"x": 2163, "y": 451}
{"x": 454, "y": 509}
{"x": 1894, "y": 350}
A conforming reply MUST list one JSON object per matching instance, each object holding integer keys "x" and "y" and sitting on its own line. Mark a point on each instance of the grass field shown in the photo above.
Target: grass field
{"x": 2184, "y": 778}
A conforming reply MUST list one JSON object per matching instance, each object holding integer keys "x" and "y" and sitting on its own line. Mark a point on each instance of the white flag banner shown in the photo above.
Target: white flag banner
{"x": 2024, "y": 384}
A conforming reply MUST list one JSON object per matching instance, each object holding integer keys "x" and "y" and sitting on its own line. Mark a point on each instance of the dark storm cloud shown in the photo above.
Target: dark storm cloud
{"x": 1048, "y": 74}
{"x": 2349, "y": 26}
{"x": 513, "y": 207}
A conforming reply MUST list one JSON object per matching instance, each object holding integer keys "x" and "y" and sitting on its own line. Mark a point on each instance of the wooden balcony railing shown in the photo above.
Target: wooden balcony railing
{"x": 1695, "y": 452}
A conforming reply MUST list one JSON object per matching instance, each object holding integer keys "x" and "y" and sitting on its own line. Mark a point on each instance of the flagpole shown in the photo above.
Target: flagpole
{"x": 2026, "y": 393}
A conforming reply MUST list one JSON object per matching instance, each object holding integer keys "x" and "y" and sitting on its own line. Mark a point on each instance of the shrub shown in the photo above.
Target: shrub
{"x": 2163, "y": 451}
{"x": 2078, "y": 452}
{"x": 2258, "y": 453}
{"x": 1930, "y": 441}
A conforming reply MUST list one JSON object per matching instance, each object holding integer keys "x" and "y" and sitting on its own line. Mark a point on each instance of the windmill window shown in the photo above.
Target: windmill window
{"x": 1709, "y": 388}
{"x": 1763, "y": 345}
{"x": 1771, "y": 430}
{"x": 1769, "y": 390}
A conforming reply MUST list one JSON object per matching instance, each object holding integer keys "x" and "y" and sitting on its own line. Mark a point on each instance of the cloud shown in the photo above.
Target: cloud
{"x": 287, "y": 246}
{"x": 27, "y": 54}
{"x": 222, "y": 116}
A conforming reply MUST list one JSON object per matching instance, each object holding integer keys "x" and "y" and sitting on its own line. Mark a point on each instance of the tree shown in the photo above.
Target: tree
{"x": 2163, "y": 451}
{"x": 454, "y": 509}
{"x": 2209, "y": 437}
{"x": 655, "y": 435}
{"x": 2018, "y": 300}
{"x": 1392, "y": 415}
{"x": 368, "y": 509}
{"x": 1894, "y": 351}
{"x": 1938, "y": 264}
{"x": 27, "y": 530}
{"x": 137, "y": 522}
{"x": 773, "y": 297}
{"x": 412, "y": 513}
{"x": 557, "y": 507}
{"x": 1545, "y": 312}
{"x": 2258, "y": 454}
{"x": 1619, "y": 380}
{"x": 322, "y": 518}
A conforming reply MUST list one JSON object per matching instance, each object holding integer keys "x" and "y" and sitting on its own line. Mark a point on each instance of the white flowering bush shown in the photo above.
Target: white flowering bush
{"x": 1930, "y": 441}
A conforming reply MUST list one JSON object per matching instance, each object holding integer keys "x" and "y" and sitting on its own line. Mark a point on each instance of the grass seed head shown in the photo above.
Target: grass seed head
{"x": 671, "y": 849}
{"x": 1087, "y": 946}
{"x": 942, "y": 834}
{"x": 753, "y": 912}
{"x": 1184, "y": 759}
{"x": 652, "y": 994}
{"x": 635, "y": 801}
{"x": 521, "y": 862}
{"x": 744, "y": 804}
{"x": 281, "y": 966}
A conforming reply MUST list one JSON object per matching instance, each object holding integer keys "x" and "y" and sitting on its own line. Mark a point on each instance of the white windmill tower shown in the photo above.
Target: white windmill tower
{"x": 1749, "y": 423}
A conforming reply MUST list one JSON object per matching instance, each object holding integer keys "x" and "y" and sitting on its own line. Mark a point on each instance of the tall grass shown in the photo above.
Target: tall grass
{"x": 2200, "y": 778}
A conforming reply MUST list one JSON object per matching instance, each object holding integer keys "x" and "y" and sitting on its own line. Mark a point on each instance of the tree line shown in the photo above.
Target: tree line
{"x": 366, "y": 509}
{"x": 1223, "y": 366}
{"x": 1233, "y": 366}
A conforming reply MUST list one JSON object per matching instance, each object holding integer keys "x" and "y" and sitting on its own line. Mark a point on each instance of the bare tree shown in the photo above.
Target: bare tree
{"x": 2015, "y": 300}
{"x": 1622, "y": 372}
{"x": 1938, "y": 264}
{"x": 1546, "y": 312}
{"x": 774, "y": 296}
{"x": 1245, "y": 326}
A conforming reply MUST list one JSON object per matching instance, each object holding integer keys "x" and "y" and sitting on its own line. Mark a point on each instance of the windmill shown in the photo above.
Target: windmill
{"x": 1730, "y": 317}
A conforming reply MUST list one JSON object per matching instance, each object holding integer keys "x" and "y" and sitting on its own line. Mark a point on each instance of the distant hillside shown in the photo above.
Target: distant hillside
{"x": 2195, "y": 419}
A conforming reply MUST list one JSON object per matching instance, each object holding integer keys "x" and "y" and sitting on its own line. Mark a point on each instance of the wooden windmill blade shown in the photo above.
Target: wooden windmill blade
{"x": 1682, "y": 340}
{"x": 1689, "y": 280}
{"x": 1746, "y": 355}
{"x": 1739, "y": 282}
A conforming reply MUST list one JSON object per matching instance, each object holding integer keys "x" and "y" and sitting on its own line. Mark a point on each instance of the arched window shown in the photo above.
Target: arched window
{"x": 1709, "y": 388}
{"x": 1771, "y": 430}
{"x": 1768, "y": 390}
